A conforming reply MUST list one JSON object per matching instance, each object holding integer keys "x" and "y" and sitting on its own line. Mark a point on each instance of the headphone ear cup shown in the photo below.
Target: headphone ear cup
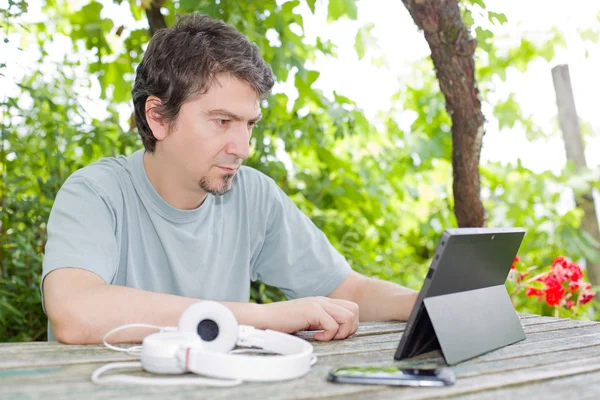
{"x": 214, "y": 323}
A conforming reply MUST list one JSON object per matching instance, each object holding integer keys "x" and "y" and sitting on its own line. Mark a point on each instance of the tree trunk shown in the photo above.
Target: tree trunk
{"x": 156, "y": 20}
{"x": 569, "y": 125}
{"x": 452, "y": 50}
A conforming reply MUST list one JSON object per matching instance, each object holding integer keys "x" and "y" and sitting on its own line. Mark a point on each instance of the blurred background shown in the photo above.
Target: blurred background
{"x": 356, "y": 130}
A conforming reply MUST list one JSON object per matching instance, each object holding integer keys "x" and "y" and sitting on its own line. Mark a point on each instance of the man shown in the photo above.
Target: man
{"x": 140, "y": 238}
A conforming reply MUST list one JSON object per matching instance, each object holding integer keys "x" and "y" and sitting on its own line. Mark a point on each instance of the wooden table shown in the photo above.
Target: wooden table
{"x": 560, "y": 359}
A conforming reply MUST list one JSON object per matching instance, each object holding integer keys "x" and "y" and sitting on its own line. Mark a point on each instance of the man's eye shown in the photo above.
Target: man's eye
{"x": 252, "y": 124}
{"x": 222, "y": 122}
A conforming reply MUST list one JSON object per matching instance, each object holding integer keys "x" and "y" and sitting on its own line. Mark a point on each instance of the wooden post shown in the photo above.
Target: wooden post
{"x": 569, "y": 125}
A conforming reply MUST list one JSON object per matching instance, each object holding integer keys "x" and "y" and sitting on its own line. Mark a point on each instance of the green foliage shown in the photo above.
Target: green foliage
{"x": 381, "y": 194}
{"x": 341, "y": 8}
{"x": 364, "y": 40}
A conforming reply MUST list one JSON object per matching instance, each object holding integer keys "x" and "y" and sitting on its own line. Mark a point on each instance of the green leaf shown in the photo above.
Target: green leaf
{"x": 341, "y": 8}
{"x": 500, "y": 18}
{"x": 591, "y": 35}
{"x": 6, "y": 306}
{"x": 341, "y": 99}
{"x": 359, "y": 45}
{"x": 311, "y": 5}
{"x": 136, "y": 10}
{"x": 89, "y": 26}
{"x": 507, "y": 112}
{"x": 468, "y": 17}
{"x": 311, "y": 77}
{"x": 483, "y": 37}
{"x": 364, "y": 39}
{"x": 288, "y": 7}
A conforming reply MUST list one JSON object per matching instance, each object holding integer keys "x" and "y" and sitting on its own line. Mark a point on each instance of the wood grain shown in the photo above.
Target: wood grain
{"x": 557, "y": 356}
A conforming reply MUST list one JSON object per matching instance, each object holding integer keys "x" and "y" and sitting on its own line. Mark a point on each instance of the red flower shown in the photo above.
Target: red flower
{"x": 563, "y": 285}
{"x": 562, "y": 261}
{"x": 586, "y": 297}
{"x": 554, "y": 291}
{"x": 521, "y": 276}
{"x": 533, "y": 292}
{"x": 565, "y": 270}
{"x": 573, "y": 286}
{"x": 576, "y": 272}
{"x": 542, "y": 277}
{"x": 559, "y": 270}
{"x": 516, "y": 260}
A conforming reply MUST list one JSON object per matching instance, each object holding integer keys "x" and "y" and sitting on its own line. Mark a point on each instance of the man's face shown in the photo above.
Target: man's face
{"x": 210, "y": 137}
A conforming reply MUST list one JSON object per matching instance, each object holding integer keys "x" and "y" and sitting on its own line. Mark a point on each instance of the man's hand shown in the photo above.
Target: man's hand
{"x": 338, "y": 318}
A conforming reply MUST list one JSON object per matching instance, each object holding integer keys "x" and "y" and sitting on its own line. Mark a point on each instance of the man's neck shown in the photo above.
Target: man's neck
{"x": 170, "y": 185}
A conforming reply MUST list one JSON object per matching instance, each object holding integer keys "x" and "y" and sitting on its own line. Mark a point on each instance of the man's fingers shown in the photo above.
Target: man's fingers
{"x": 328, "y": 323}
{"x": 344, "y": 317}
{"x": 349, "y": 305}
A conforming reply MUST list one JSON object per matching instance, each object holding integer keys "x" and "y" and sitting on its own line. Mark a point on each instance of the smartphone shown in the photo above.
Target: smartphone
{"x": 393, "y": 376}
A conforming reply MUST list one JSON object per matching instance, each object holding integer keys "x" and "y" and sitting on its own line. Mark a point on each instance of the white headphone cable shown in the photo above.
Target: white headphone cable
{"x": 143, "y": 380}
{"x": 133, "y": 350}
{"x": 313, "y": 360}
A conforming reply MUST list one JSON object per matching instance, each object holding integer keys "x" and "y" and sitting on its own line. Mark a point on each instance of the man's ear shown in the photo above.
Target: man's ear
{"x": 157, "y": 125}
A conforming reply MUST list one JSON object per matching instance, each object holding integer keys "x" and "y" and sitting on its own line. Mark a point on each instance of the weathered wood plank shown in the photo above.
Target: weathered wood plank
{"x": 493, "y": 381}
{"x": 536, "y": 320}
{"x": 388, "y": 341}
{"x": 17, "y": 355}
{"x": 469, "y": 368}
{"x": 550, "y": 341}
{"x": 47, "y": 354}
{"x": 75, "y": 378}
{"x": 557, "y": 325}
{"x": 58, "y": 355}
{"x": 513, "y": 352}
{"x": 581, "y": 387}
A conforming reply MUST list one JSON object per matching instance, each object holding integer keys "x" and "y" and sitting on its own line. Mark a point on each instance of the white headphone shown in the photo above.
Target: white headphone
{"x": 203, "y": 343}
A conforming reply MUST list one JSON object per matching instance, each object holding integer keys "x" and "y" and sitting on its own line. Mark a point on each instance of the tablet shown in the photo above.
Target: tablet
{"x": 465, "y": 259}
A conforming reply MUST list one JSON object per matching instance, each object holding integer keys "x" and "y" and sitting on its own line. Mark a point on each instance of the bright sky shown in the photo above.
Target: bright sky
{"x": 402, "y": 45}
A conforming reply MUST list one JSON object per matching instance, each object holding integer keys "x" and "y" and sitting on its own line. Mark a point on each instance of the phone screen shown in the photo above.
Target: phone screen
{"x": 392, "y": 376}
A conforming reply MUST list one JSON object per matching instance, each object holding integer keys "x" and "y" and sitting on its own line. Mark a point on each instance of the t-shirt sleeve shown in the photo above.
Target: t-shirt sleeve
{"x": 296, "y": 256}
{"x": 81, "y": 231}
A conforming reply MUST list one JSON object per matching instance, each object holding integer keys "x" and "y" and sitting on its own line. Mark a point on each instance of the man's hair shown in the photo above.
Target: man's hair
{"x": 184, "y": 60}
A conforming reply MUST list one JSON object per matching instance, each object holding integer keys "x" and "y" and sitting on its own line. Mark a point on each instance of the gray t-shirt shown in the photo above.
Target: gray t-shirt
{"x": 108, "y": 218}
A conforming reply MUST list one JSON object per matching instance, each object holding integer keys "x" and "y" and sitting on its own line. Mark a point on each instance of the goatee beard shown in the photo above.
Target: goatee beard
{"x": 216, "y": 188}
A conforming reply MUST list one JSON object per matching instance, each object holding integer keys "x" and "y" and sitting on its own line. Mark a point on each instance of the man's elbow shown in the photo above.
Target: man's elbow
{"x": 68, "y": 327}
{"x": 67, "y": 335}
{"x": 64, "y": 307}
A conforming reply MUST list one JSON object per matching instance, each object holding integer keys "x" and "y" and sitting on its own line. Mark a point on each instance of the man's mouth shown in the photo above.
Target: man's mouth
{"x": 228, "y": 170}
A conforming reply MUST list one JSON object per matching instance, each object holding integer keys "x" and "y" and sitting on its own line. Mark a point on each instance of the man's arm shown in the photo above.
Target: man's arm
{"x": 82, "y": 308}
{"x": 377, "y": 300}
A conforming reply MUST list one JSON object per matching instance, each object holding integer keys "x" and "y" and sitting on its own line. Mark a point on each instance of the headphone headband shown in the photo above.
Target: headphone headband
{"x": 295, "y": 359}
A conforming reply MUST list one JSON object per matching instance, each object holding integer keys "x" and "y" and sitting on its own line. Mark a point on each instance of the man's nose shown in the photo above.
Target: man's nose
{"x": 239, "y": 142}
